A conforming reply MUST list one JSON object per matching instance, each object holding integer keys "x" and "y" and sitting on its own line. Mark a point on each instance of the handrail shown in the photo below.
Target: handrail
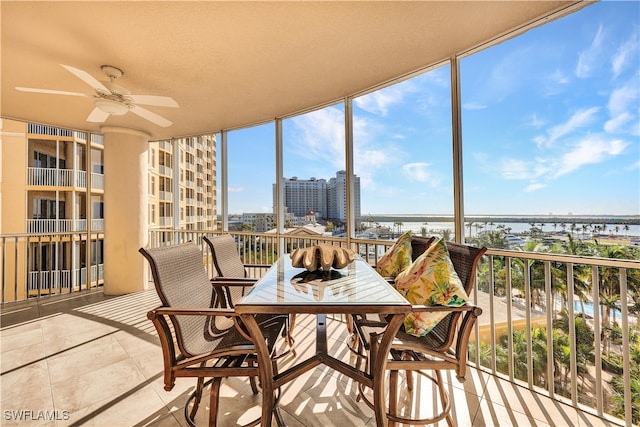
{"x": 550, "y": 283}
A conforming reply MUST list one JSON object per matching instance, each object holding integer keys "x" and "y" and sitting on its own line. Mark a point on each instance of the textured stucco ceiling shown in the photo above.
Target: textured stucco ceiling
{"x": 231, "y": 64}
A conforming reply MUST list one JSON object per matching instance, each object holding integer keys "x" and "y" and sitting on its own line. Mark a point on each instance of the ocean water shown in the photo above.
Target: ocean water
{"x": 516, "y": 228}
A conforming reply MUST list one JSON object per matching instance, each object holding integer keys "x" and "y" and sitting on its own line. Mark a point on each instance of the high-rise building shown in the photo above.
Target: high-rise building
{"x": 327, "y": 199}
{"x": 182, "y": 183}
{"x": 300, "y": 195}
{"x": 52, "y": 188}
{"x": 337, "y": 197}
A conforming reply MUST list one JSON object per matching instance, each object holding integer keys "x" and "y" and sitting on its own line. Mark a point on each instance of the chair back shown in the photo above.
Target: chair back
{"x": 226, "y": 258}
{"x": 465, "y": 260}
{"x": 181, "y": 282}
{"x": 419, "y": 244}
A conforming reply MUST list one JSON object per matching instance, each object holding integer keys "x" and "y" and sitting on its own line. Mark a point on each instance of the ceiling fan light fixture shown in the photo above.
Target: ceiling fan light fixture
{"x": 112, "y": 107}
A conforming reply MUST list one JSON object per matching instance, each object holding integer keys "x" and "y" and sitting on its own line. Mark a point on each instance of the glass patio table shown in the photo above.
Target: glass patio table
{"x": 357, "y": 288}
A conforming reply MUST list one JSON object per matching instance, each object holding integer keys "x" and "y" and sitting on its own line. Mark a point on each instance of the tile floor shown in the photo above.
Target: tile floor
{"x": 92, "y": 360}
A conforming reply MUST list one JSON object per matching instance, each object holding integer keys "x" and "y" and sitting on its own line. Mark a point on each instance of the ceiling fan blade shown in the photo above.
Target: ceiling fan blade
{"x": 87, "y": 78}
{"x": 97, "y": 116}
{"x": 160, "y": 101}
{"x": 49, "y": 91}
{"x": 152, "y": 117}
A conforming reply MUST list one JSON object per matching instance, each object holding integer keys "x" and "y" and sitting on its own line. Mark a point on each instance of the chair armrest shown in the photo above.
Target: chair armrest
{"x": 446, "y": 308}
{"x": 233, "y": 281}
{"x": 266, "y": 266}
{"x": 229, "y": 290}
{"x": 173, "y": 311}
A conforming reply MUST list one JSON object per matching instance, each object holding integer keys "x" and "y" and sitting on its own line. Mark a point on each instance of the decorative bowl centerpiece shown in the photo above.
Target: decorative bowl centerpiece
{"x": 322, "y": 256}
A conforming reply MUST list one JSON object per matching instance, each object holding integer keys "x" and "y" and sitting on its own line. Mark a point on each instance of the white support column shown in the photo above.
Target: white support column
{"x": 224, "y": 182}
{"x": 126, "y": 217}
{"x": 350, "y": 187}
{"x": 456, "y": 127}
{"x": 279, "y": 207}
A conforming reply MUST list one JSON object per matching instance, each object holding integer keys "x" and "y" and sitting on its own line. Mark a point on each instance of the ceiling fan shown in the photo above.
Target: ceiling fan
{"x": 110, "y": 98}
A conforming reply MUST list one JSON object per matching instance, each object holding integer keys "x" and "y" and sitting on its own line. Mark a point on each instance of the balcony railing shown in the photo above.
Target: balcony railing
{"x": 47, "y": 226}
{"x": 165, "y": 170}
{"x": 97, "y": 181}
{"x": 534, "y": 330}
{"x": 97, "y": 139}
{"x": 49, "y": 177}
{"x": 39, "y": 129}
{"x": 531, "y": 331}
{"x": 28, "y": 265}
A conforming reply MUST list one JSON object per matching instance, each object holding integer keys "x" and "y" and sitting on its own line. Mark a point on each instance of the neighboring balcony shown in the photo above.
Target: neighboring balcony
{"x": 44, "y": 226}
{"x": 52, "y": 282}
{"x": 68, "y": 178}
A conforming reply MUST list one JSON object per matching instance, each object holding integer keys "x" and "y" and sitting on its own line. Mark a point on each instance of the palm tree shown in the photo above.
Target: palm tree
{"x": 610, "y": 282}
{"x": 399, "y": 224}
{"x": 470, "y": 224}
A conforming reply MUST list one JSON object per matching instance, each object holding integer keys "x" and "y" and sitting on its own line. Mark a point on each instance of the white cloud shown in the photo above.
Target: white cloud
{"x": 590, "y": 150}
{"x": 555, "y": 83}
{"x": 321, "y": 136}
{"x": 579, "y": 119}
{"x": 590, "y": 57}
{"x": 473, "y": 106}
{"x": 236, "y": 189}
{"x": 626, "y": 52}
{"x": 516, "y": 169}
{"x": 378, "y": 102}
{"x": 540, "y": 171}
{"x": 623, "y": 98}
{"x": 617, "y": 123}
{"x": 534, "y": 186}
{"x": 419, "y": 171}
{"x": 535, "y": 122}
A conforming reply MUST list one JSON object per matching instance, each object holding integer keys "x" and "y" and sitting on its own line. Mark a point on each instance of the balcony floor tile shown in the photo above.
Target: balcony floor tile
{"x": 98, "y": 357}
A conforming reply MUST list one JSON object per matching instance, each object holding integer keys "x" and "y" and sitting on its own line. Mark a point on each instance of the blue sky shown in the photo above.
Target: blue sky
{"x": 551, "y": 124}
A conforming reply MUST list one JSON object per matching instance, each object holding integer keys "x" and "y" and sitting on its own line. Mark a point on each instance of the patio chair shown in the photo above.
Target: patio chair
{"x": 233, "y": 279}
{"x": 419, "y": 244}
{"x": 443, "y": 348}
{"x": 198, "y": 340}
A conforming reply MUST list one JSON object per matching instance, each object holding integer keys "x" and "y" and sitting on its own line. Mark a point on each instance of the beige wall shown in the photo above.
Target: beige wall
{"x": 13, "y": 210}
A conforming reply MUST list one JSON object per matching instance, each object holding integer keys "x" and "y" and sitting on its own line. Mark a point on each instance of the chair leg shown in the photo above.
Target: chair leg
{"x": 214, "y": 401}
{"x": 197, "y": 395}
{"x": 289, "y": 331}
{"x": 252, "y": 380}
{"x": 444, "y": 397}
{"x": 409, "y": 374}
{"x": 393, "y": 395}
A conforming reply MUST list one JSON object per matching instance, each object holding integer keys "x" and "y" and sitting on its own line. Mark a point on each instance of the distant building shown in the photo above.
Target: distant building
{"x": 54, "y": 185}
{"x": 300, "y": 195}
{"x": 328, "y": 200}
{"x": 182, "y": 183}
{"x": 337, "y": 197}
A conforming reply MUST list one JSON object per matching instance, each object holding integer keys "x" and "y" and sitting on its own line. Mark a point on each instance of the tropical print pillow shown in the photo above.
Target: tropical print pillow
{"x": 430, "y": 280}
{"x": 397, "y": 258}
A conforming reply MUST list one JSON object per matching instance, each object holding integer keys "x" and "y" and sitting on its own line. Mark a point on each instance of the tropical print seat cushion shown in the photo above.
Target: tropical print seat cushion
{"x": 430, "y": 280}
{"x": 397, "y": 258}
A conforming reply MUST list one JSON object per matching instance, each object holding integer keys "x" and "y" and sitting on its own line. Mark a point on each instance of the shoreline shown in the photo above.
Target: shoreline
{"x": 526, "y": 219}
